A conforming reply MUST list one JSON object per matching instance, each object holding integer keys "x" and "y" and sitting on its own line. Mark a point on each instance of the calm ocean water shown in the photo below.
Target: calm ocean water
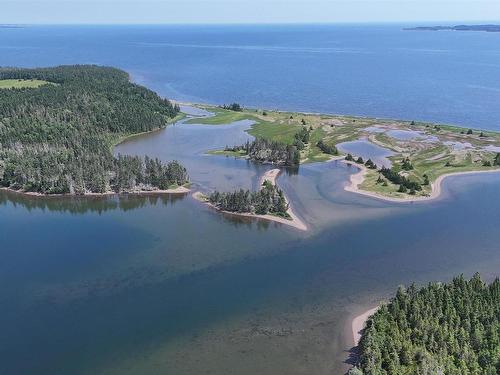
{"x": 148, "y": 285}
{"x": 376, "y": 70}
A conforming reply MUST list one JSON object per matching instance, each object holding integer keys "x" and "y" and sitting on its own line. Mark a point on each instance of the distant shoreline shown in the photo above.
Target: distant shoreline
{"x": 270, "y": 176}
{"x": 491, "y": 28}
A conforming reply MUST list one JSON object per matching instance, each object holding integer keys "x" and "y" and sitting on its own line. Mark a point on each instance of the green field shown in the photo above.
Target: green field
{"x": 273, "y": 125}
{"x": 22, "y": 83}
{"x": 222, "y": 117}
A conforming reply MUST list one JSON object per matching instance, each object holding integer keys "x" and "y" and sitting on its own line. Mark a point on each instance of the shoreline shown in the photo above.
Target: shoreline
{"x": 343, "y": 115}
{"x": 270, "y": 176}
{"x": 357, "y": 179}
{"x": 177, "y": 190}
{"x": 358, "y": 323}
{"x": 181, "y": 116}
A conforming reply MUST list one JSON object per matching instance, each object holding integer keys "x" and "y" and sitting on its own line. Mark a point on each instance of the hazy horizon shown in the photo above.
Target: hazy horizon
{"x": 417, "y": 22}
{"x": 204, "y": 12}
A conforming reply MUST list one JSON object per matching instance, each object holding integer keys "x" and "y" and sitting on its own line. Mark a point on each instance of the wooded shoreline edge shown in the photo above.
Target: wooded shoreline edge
{"x": 271, "y": 176}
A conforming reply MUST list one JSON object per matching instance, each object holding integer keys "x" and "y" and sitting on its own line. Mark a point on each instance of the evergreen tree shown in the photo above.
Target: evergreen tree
{"x": 370, "y": 164}
{"x": 327, "y": 149}
{"x": 57, "y": 138}
{"x": 406, "y": 164}
{"x": 269, "y": 199}
{"x": 449, "y": 328}
{"x": 496, "y": 161}
{"x": 426, "y": 180}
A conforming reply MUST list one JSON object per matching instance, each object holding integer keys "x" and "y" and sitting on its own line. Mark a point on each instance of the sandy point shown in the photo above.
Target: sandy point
{"x": 357, "y": 179}
{"x": 271, "y": 176}
{"x": 358, "y": 323}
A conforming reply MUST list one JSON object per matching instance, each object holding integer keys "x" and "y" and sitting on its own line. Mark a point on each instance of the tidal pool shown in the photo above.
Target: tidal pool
{"x": 458, "y": 146}
{"x": 403, "y": 135}
{"x": 375, "y": 129}
{"x": 492, "y": 148}
{"x": 367, "y": 150}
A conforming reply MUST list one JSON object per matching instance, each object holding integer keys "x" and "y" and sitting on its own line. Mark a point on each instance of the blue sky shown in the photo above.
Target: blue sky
{"x": 244, "y": 11}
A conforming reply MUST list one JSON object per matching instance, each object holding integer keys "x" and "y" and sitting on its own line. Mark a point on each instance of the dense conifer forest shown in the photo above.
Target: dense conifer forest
{"x": 233, "y": 107}
{"x": 269, "y": 199}
{"x": 449, "y": 329}
{"x": 326, "y": 148}
{"x": 266, "y": 151}
{"x": 58, "y": 138}
{"x": 404, "y": 183}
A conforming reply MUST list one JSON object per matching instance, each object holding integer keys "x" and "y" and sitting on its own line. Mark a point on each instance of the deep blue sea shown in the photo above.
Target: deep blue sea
{"x": 373, "y": 70}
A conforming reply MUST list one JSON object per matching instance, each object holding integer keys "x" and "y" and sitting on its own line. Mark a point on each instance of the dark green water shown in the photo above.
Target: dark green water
{"x": 148, "y": 285}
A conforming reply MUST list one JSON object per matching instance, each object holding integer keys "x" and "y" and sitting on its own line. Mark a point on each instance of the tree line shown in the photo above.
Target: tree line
{"x": 132, "y": 172}
{"x": 235, "y": 107}
{"x": 301, "y": 138}
{"x": 451, "y": 329}
{"x": 495, "y": 163}
{"x": 405, "y": 184}
{"x": 326, "y": 148}
{"x": 58, "y": 138}
{"x": 369, "y": 163}
{"x": 266, "y": 151}
{"x": 393, "y": 175}
{"x": 269, "y": 199}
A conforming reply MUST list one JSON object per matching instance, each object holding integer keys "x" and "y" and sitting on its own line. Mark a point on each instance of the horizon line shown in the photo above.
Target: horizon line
{"x": 443, "y": 22}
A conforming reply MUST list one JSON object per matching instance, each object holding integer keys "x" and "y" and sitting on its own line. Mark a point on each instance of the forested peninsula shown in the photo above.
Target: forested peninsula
{"x": 58, "y": 127}
{"x": 447, "y": 329}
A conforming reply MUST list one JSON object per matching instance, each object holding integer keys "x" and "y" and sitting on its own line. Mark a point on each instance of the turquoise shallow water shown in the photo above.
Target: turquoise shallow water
{"x": 166, "y": 285}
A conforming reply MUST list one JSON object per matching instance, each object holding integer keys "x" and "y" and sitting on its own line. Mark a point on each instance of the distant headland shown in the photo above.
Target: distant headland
{"x": 488, "y": 28}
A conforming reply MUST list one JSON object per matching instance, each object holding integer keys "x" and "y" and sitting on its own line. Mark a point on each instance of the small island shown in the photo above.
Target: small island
{"x": 418, "y": 156}
{"x": 58, "y": 127}
{"x": 487, "y": 28}
{"x": 268, "y": 203}
{"x": 437, "y": 329}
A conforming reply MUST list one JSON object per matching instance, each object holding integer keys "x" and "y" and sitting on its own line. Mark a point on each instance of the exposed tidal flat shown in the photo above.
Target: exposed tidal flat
{"x": 399, "y": 161}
